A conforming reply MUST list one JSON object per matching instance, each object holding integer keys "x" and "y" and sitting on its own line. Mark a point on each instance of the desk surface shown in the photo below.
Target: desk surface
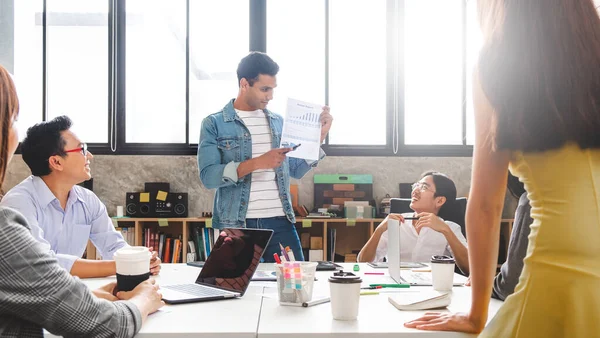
{"x": 258, "y": 313}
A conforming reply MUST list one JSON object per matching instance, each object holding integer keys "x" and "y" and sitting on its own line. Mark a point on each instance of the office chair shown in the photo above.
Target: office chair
{"x": 454, "y": 212}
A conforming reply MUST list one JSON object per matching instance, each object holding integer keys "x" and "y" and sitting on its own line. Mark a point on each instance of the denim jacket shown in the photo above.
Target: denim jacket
{"x": 225, "y": 142}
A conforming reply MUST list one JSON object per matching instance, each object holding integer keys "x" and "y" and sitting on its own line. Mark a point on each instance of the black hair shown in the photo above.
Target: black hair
{"x": 516, "y": 187}
{"x": 254, "y": 64}
{"x": 42, "y": 141}
{"x": 444, "y": 186}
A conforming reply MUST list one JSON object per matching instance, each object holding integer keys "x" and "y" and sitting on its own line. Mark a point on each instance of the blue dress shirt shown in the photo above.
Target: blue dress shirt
{"x": 65, "y": 232}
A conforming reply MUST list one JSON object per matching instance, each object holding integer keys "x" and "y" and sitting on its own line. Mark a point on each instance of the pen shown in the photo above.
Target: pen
{"x": 316, "y": 302}
{"x": 283, "y": 253}
{"x": 391, "y": 285}
{"x": 411, "y": 218}
{"x": 371, "y": 287}
{"x": 374, "y": 273}
{"x": 290, "y": 253}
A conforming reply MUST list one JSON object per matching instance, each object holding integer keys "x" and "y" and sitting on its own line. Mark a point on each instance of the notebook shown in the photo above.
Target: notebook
{"x": 423, "y": 300}
{"x": 228, "y": 269}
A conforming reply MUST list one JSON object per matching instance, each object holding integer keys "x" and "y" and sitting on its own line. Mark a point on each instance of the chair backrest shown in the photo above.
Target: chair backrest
{"x": 454, "y": 212}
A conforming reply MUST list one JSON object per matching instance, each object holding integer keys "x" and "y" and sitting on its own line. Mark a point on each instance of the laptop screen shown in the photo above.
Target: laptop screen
{"x": 234, "y": 258}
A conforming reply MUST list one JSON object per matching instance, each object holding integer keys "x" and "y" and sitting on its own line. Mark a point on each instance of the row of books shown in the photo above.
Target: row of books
{"x": 201, "y": 241}
{"x": 170, "y": 249}
{"x": 128, "y": 234}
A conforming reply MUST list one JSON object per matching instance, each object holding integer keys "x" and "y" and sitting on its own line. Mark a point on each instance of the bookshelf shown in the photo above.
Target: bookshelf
{"x": 351, "y": 234}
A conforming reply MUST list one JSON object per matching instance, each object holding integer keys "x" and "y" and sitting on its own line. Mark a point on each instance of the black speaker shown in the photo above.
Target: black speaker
{"x": 134, "y": 207}
{"x": 144, "y": 204}
{"x": 175, "y": 205}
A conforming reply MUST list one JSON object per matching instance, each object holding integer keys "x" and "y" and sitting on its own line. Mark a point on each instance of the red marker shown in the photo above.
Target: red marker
{"x": 277, "y": 258}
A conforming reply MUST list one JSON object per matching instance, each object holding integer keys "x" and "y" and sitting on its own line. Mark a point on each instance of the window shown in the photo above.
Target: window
{"x": 433, "y": 72}
{"x": 296, "y": 41}
{"x": 357, "y": 71}
{"x": 24, "y": 57}
{"x": 77, "y": 65}
{"x": 143, "y": 74}
{"x": 214, "y": 57}
{"x": 474, "y": 41}
{"x": 155, "y": 71}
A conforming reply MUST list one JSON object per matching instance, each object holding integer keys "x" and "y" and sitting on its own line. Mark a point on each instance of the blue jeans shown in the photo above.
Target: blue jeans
{"x": 284, "y": 232}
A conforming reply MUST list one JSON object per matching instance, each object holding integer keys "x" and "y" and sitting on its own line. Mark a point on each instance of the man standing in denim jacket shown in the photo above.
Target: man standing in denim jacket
{"x": 239, "y": 155}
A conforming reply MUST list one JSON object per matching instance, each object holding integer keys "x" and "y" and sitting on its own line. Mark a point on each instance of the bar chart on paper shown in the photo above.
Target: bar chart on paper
{"x": 301, "y": 126}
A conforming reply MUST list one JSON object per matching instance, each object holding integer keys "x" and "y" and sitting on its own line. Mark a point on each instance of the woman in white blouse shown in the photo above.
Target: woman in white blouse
{"x": 429, "y": 234}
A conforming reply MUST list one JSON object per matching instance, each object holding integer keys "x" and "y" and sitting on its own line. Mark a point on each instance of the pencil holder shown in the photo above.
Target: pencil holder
{"x": 295, "y": 281}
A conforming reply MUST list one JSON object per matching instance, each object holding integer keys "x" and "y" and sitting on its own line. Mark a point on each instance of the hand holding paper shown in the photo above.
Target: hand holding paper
{"x": 307, "y": 124}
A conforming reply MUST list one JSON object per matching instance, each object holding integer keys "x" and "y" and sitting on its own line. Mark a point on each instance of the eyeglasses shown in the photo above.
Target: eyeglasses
{"x": 83, "y": 149}
{"x": 422, "y": 186}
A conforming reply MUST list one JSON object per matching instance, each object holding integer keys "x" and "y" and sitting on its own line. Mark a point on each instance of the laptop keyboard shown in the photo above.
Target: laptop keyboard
{"x": 196, "y": 290}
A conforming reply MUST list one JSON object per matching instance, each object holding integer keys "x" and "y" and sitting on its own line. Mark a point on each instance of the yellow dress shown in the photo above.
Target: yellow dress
{"x": 558, "y": 294}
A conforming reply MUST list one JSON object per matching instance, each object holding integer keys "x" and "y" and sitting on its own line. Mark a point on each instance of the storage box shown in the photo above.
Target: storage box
{"x": 316, "y": 243}
{"x": 355, "y": 212}
{"x": 337, "y": 189}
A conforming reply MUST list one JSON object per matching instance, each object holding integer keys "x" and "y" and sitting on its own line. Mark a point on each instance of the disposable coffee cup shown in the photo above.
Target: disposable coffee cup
{"x": 133, "y": 266}
{"x": 442, "y": 271}
{"x": 345, "y": 294}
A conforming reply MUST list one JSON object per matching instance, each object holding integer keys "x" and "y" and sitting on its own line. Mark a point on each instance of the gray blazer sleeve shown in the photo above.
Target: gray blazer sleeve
{"x": 37, "y": 292}
{"x": 506, "y": 281}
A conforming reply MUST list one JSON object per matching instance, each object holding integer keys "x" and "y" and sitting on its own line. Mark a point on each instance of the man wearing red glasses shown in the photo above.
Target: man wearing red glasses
{"x": 63, "y": 215}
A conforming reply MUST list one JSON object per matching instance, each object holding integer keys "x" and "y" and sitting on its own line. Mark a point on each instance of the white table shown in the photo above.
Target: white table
{"x": 232, "y": 318}
{"x": 376, "y": 318}
{"x": 258, "y": 313}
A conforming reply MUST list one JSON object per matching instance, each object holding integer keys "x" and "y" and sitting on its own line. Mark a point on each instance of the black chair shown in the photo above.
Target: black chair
{"x": 454, "y": 212}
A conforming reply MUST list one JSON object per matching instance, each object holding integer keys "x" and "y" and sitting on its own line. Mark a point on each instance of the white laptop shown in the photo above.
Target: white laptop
{"x": 401, "y": 276}
{"x": 228, "y": 269}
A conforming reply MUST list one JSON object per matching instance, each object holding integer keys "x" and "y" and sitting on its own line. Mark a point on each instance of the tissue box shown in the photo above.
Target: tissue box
{"x": 353, "y": 212}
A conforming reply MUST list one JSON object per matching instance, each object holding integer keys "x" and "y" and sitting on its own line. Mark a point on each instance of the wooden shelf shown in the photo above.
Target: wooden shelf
{"x": 139, "y": 224}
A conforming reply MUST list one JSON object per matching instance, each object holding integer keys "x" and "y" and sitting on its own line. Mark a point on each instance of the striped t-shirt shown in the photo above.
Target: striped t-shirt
{"x": 264, "y": 198}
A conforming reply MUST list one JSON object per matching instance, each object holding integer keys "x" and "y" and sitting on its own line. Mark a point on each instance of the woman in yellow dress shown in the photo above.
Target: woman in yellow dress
{"x": 537, "y": 110}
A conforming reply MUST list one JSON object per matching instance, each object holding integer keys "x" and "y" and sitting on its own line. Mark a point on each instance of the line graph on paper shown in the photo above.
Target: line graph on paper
{"x": 302, "y": 126}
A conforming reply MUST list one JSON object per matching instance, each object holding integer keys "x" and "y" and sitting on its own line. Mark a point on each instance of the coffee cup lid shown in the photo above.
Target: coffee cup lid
{"x": 342, "y": 277}
{"x": 132, "y": 253}
{"x": 442, "y": 259}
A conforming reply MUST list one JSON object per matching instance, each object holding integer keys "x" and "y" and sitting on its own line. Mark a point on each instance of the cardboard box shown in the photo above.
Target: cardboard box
{"x": 316, "y": 243}
{"x": 315, "y": 255}
{"x": 350, "y": 258}
{"x": 305, "y": 240}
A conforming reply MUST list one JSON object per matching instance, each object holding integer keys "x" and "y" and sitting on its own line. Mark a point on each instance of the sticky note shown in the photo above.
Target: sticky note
{"x": 350, "y": 222}
{"x": 163, "y": 222}
{"x": 144, "y": 197}
{"x": 306, "y": 223}
{"x": 208, "y": 222}
{"x": 161, "y": 196}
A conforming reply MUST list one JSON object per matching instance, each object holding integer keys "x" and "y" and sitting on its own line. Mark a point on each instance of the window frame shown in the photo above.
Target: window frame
{"x": 116, "y": 111}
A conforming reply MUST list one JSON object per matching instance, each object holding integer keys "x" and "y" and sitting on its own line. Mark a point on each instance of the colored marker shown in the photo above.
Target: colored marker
{"x": 374, "y": 273}
{"x": 277, "y": 260}
{"x": 391, "y": 285}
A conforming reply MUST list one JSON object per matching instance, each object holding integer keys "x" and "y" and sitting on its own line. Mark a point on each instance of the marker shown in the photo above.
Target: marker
{"x": 316, "y": 302}
{"x": 370, "y": 287}
{"x": 290, "y": 253}
{"x": 391, "y": 285}
{"x": 374, "y": 273}
{"x": 277, "y": 260}
{"x": 283, "y": 253}
{"x": 366, "y": 293}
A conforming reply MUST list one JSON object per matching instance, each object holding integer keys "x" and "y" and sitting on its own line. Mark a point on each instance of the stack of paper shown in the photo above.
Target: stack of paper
{"x": 424, "y": 300}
